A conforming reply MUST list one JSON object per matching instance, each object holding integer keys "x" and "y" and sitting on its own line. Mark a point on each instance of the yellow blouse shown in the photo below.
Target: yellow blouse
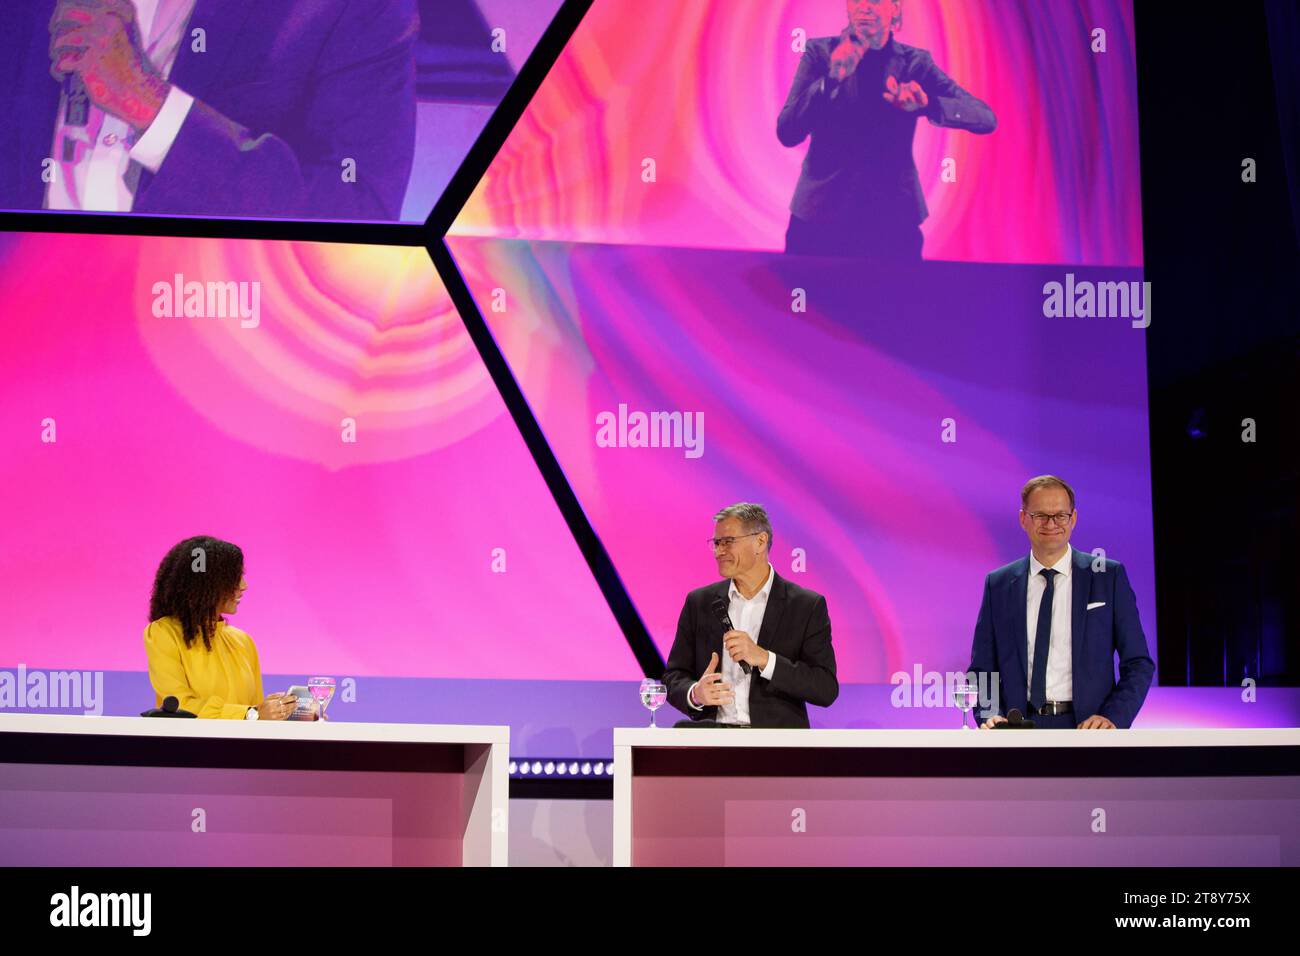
{"x": 223, "y": 682}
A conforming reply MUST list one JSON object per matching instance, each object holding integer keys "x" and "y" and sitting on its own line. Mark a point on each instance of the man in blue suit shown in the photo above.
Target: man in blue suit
{"x": 1051, "y": 624}
{"x": 301, "y": 108}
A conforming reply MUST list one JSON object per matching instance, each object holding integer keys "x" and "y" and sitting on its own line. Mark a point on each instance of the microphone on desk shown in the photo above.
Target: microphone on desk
{"x": 1015, "y": 721}
{"x": 720, "y": 609}
{"x": 171, "y": 707}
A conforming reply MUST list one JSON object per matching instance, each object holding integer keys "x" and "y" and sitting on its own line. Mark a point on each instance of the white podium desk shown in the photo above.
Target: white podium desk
{"x": 136, "y": 791}
{"x": 993, "y": 798}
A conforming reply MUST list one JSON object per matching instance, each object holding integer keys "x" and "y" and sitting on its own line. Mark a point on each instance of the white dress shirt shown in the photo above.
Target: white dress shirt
{"x": 746, "y": 615}
{"x": 1060, "y": 683}
{"x": 93, "y": 163}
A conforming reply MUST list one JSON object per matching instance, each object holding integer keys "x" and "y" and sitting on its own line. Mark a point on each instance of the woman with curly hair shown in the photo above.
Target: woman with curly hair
{"x": 194, "y": 655}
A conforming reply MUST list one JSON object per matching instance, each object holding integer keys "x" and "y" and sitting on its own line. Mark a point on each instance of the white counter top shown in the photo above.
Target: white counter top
{"x": 694, "y": 737}
{"x": 254, "y": 729}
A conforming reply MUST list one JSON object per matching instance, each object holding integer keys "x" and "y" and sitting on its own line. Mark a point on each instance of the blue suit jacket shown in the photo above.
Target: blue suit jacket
{"x": 285, "y": 91}
{"x": 1096, "y": 636}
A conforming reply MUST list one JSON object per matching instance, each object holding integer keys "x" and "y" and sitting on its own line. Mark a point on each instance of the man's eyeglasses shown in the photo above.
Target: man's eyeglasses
{"x": 715, "y": 543}
{"x": 1042, "y": 518}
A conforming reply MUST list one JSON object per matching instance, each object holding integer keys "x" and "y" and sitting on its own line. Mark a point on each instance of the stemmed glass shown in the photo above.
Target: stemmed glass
{"x": 653, "y": 695}
{"x": 322, "y": 690}
{"x": 965, "y": 695}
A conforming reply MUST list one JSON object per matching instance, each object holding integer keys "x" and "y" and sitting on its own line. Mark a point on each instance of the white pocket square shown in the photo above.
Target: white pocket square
{"x": 1096, "y": 604}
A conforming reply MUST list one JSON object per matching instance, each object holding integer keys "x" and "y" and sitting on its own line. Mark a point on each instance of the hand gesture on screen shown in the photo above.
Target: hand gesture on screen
{"x": 846, "y": 56}
{"x": 908, "y": 97}
{"x": 99, "y": 41}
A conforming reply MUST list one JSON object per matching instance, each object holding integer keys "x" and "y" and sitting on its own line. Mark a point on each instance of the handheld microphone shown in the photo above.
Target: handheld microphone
{"x": 720, "y": 609}
{"x": 78, "y": 109}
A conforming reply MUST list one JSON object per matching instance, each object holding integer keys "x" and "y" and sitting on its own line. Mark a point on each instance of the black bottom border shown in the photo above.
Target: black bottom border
{"x": 977, "y": 907}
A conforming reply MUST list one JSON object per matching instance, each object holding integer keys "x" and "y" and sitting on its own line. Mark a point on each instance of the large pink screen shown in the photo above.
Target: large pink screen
{"x": 429, "y": 547}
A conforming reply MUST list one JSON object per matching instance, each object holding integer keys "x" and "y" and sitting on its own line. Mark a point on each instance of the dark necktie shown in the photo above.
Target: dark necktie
{"x": 1042, "y": 640}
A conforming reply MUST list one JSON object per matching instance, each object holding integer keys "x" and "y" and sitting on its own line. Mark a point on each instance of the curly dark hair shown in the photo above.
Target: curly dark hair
{"x": 191, "y": 585}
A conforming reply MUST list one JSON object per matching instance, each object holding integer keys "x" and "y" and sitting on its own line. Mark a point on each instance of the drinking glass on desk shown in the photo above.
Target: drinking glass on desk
{"x": 321, "y": 690}
{"x": 965, "y": 695}
{"x": 653, "y": 695}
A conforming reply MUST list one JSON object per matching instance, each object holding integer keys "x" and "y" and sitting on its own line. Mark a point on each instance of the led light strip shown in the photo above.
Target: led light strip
{"x": 551, "y": 767}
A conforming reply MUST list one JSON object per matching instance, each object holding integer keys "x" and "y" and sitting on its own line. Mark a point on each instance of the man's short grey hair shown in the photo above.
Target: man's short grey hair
{"x": 752, "y": 517}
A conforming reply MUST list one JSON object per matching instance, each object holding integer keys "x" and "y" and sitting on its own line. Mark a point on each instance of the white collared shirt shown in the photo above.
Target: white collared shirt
{"x": 99, "y": 155}
{"x": 746, "y": 615}
{"x": 1060, "y": 682}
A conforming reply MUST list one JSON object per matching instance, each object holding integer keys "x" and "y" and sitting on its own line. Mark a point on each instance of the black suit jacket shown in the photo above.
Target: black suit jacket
{"x": 796, "y": 629}
{"x": 859, "y": 165}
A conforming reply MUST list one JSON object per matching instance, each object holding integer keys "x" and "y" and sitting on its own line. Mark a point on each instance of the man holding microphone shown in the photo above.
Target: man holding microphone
{"x": 857, "y": 97}
{"x": 717, "y": 668}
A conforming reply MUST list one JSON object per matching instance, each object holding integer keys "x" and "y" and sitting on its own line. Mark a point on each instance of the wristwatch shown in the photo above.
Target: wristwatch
{"x": 252, "y": 714}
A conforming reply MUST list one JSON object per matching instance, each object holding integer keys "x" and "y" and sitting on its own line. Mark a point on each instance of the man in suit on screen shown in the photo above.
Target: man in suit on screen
{"x": 858, "y": 96}
{"x": 1052, "y": 623}
{"x": 774, "y": 659}
{"x": 209, "y": 107}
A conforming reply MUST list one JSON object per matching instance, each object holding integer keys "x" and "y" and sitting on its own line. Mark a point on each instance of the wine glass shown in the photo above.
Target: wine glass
{"x": 321, "y": 690}
{"x": 965, "y": 695}
{"x": 653, "y": 696}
